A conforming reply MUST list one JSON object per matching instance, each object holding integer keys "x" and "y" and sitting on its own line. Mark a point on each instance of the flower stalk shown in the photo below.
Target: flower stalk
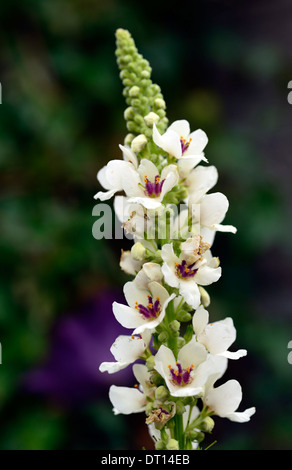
{"x": 172, "y": 217}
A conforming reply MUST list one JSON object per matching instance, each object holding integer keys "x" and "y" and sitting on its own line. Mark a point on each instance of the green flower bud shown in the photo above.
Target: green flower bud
{"x": 189, "y": 333}
{"x": 200, "y": 437}
{"x": 134, "y": 91}
{"x": 138, "y": 120}
{"x": 208, "y": 424}
{"x": 150, "y": 362}
{"x": 180, "y": 342}
{"x": 132, "y": 126}
{"x": 180, "y": 408}
{"x": 205, "y": 298}
{"x": 160, "y": 103}
{"x": 160, "y": 113}
{"x": 189, "y": 400}
{"x": 156, "y": 379}
{"x": 159, "y": 445}
{"x": 163, "y": 336}
{"x": 148, "y": 409}
{"x": 151, "y": 118}
{"x": 172, "y": 444}
{"x": 135, "y": 102}
{"x": 158, "y": 255}
{"x": 161, "y": 393}
{"x": 138, "y": 143}
{"x": 193, "y": 434}
{"x": 145, "y": 73}
{"x": 129, "y": 113}
{"x": 183, "y": 316}
{"x": 128, "y": 139}
{"x": 174, "y": 326}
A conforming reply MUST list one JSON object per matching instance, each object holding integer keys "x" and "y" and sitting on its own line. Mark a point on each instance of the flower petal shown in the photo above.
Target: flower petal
{"x": 213, "y": 209}
{"x": 225, "y": 399}
{"x": 126, "y": 400}
{"x": 200, "y": 320}
{"x": 225, "y": 228}
{"x": 206, "y": 275}
{"x": 170, "y": 181}
{"x": 142, "y": 375}
{"x": 234, "y": 355}
{"x": 157, "y": 290}
{"x": 163, "y": 358}
{"x": 147, "y": 168}
{"x": 133, "y": 294}
{"x": 113, "y": 367}
{"x": 170, "y": 141}
{"x": 127, "y": 348}
{"x": 128, "y": 264}
{"x": 190, "y": 292}
{"x": 128, "y": 317}
{"x": 217, "y": 337}
{"x": 129, "y": 155}
{"x": 150, "y": 272}
{"x": 147, "y": 202}
{"x": 181, "y": 127}
{"x": 200, "y": 181}
{"x": 131, "y": 183}
{"x": 169, "y": 275}
{"x": 217, "y": 366}
{"x": 188, "y": 163}
{"x": 243, "y": 416}
{"x": 105, "y": 195}
{"x": 192, "y": 352}
{"x": 168, "y": 255}
{"x": 198, "y": 142}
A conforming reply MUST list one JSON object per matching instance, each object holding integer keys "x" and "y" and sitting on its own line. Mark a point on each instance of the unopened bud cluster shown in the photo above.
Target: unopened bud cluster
{"x": 144, "y": 99}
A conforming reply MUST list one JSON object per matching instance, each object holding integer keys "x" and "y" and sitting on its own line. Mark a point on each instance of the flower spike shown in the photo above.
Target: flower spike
{"x": 167, "y": 208}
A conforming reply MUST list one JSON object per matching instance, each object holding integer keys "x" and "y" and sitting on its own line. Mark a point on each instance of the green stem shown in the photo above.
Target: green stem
{"x": 179, "y": 431}
{"x": 170, "y": 316}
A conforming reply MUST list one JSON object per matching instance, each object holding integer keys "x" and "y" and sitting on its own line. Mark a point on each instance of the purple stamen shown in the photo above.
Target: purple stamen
{"x": 152, "y": 310}
{"x": 184, "y": 271}
{"x": 153, "y": 189}
{"x": 184, "y": 144}
{"x": 181, "y": 376}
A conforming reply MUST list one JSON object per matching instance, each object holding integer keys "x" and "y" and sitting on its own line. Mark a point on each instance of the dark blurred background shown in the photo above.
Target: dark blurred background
{"x": 224, "y": 66}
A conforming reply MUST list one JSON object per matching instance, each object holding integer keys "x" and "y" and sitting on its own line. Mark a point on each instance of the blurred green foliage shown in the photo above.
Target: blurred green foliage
{"x": 225, "y": 68}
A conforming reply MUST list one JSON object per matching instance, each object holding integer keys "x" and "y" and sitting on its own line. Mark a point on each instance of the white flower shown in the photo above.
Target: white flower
{"x": 111, "y": 175}
{"x": 126, "y": 350}
{"x": 217, "y": 337}
{"x": 187, "y": 274}
{"x": 126, "y": 400}
{"x": 128, "y": 264}
{"x": 147, "y": 186}
{"x": 212, "y": 211}
{"x": 150, "y": 272}
{"x": 179, "y": 142}
{"x": 225, "y": 400}
{"x": 185, "y": 376}
{"x": 145, "y": 309}
{"x": 135, "y": 219}
{"x": 200, "y": 180}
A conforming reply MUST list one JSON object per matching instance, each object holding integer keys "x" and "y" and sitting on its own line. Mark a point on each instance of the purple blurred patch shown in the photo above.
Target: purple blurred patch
{"x": 80, "y": 342}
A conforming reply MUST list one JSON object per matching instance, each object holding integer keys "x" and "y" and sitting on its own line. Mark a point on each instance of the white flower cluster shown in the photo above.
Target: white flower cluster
{"x": 179, "y": 356}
